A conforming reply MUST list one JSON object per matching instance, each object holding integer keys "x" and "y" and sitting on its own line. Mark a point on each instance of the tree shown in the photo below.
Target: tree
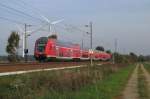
{"x": 12, "y": 46}
{"x": 133, "y": 56}
{"x": 141, "y": 58}
{"x": 119, "y": 58}
{"x": 53, "y": 36}
{"x": 100, "y": 48}
{"x": 108, "y": 51}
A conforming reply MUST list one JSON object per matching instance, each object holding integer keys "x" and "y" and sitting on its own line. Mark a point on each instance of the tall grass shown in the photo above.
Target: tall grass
{"x": 81, "y": 83}
{"x": 142, "y": 85}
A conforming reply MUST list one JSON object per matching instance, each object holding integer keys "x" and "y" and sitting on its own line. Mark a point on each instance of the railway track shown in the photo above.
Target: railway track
{"x": 20, "y": 68}
{"x": 37, "y": 63}
{"x": 11, "y": 67}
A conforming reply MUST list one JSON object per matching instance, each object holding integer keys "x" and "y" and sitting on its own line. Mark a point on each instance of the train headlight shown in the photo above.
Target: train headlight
{"x": 91, "y": 51}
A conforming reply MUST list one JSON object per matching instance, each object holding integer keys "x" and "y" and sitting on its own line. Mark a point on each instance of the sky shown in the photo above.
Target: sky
{"x": 125, "y": 20}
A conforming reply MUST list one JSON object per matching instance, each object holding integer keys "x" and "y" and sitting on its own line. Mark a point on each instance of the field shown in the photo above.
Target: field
{"x": 97, "y": 82}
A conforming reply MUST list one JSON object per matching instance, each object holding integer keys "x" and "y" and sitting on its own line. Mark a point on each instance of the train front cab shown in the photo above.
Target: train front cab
{"x": 39, "y": 51}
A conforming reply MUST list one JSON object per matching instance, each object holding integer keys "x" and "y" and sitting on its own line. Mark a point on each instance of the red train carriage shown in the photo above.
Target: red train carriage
{"x": 104, "y": 56}
{"x": 51, "y": 48}
{"x": 99, "y": 55}
{"x": 54, "y": 49}
{"x": 85, "y": 55}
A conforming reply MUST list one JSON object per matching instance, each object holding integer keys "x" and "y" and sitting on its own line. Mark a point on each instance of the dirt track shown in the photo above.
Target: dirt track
{"x": 147, "y": 77}
{"x": 131, "y": 89}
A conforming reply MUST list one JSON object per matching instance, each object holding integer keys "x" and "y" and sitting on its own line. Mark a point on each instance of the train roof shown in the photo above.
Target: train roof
{"x": 66, "y": 44}
{"x": 60, "y": 42}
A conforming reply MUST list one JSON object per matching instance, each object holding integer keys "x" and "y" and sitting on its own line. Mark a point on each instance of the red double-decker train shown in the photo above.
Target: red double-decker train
{"x": 46, "y": 48}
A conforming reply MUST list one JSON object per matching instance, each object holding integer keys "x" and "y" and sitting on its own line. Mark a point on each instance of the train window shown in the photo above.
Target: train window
{"x": 41, "y": 47}
{"x": 41, "y": 43}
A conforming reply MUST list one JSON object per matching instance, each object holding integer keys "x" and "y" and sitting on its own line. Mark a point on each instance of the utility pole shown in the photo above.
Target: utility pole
{"x": 82, "y": 44}
{"x": 115, "y": 46}
{"x": 91, "y": 41}
{"x": 25, "y": 42}
{"x": 91, "y": 30}
{"x": 49, "y": 28}
{"x": 23, "y": 39}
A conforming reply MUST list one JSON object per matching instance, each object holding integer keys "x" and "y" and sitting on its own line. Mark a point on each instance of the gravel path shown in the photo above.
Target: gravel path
{"x": 147, "y": 77}
{"x": 131, "y": 89}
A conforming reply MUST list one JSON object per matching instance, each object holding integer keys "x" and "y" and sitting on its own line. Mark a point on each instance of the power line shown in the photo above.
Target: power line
{"x": 75, "y": 28}
{"x": 71, "y": 27}
{"x": 38, "y": 29}
{"x": 18, "y": 11}
{"x": 11, "y": 20}
{"x": 34, "y": 9}
{"x": 23, "y": 5}
{"x": 14, "y": 13}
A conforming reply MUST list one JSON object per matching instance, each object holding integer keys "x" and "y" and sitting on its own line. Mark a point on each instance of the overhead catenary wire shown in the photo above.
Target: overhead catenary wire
{"x": 75, "y": 28}
{"x": 36, "y": 10}
{"x": 11, "y": 20}
{"x": 17, "y": 14}
{"x": 33, "y": 9}
{"x": 65, "y": 27}
{"x": 38, "y": 29}
{"x": 18, "y": 11}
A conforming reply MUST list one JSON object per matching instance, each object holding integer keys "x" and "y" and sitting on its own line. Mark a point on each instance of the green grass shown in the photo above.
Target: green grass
{"x": 98, "y": 82}
{"x": 106, "y": 89}
{"x": 147, "y": 66}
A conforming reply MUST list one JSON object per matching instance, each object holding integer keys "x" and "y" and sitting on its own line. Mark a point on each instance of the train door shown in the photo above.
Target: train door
{"x": 76, "y": 53}
{"x": 51, "y": 49}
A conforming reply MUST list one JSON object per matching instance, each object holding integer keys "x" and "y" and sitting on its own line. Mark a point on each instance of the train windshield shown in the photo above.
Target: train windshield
{"x": 41, "y": 44}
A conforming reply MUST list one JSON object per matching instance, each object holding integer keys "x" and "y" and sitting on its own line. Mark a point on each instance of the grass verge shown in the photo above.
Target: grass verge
{"x": 106, "y": 89}
{"x": 147, "y": 66}
{"x": 142, "y": 85}
{"x": 98, "y": 82}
